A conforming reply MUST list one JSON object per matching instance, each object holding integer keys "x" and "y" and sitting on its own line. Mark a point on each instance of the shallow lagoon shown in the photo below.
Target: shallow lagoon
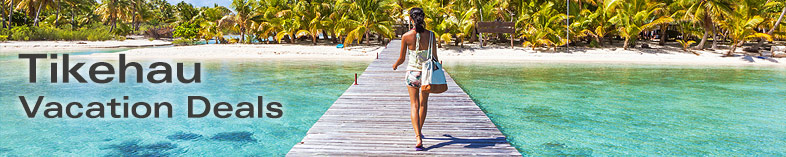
{"x": 306, "y": 88}
{"x": 558, "y": 109}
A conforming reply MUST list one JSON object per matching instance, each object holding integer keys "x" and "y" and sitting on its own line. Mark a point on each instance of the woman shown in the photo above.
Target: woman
{"x": 416, "y": 44}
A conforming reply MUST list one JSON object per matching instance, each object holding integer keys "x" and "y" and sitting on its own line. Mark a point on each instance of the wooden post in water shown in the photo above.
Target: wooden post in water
{"x": 356, "y": 78}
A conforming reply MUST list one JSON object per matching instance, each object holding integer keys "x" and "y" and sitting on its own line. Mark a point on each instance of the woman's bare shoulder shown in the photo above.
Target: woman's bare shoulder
{"x": 408, "y": 34}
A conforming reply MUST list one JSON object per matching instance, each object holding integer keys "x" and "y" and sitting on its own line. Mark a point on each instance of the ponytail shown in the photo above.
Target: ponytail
{"x": 417, "y": 15}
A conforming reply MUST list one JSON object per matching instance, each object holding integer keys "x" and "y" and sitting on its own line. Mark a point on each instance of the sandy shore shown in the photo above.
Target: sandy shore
{"x": 57, "y": 46}
{"x": 660, "y": 55}
{"x": 471, "y": 53}
{"x": 241, "y": 51}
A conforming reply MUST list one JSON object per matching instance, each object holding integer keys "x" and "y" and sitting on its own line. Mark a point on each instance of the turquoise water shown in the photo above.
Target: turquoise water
{"x": 12, "y": 55}
{"x": 306, "y": 88}
{"x": 551, "y": 109}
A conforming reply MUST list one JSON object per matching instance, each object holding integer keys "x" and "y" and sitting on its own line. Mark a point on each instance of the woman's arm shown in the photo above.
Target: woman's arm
{"x": 402, "y": 54}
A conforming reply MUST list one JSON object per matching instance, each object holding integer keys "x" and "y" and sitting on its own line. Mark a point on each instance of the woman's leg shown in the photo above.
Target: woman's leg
{"x": 423, "y": 108}
{"x": 414, "y": 114}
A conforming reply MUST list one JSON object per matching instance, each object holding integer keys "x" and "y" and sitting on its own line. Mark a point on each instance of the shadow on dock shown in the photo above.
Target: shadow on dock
{"x": 471, "y": 143}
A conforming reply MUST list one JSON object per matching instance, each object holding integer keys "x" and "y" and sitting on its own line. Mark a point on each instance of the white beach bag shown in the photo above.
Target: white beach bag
{"x": 433, "y": 77}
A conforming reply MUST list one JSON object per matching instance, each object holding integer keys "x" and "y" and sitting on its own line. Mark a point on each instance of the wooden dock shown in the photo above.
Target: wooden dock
{"x": 372, "y": 119}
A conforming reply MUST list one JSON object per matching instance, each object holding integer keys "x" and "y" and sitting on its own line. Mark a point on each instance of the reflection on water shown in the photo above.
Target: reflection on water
{"x": 620, "y": 110}
{"x": 305, "y": 88}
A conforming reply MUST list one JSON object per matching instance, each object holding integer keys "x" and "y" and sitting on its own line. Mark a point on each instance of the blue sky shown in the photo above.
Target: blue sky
{"x": 201, "y": 3}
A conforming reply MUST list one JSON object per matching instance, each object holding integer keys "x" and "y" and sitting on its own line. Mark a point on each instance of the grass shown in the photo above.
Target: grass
{"x": 26, "y": 33}
{"x": 183, "y": 42}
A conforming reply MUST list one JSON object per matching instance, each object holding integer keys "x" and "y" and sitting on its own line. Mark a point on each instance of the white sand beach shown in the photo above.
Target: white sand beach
{"x": 656, "y": 55}
{"x": 61, "y": 46}
{"x": 471, "y": 52}
{"x": 248, "y": 51}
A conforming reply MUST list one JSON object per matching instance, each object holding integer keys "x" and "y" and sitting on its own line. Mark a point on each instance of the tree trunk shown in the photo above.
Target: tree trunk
{"x": 242, "y": 35}
{"x": 57, "y": 17}
{"x": 625, "y": 45}
{"x": 314, "y": 38}
{"x": 663, "y": 28}
{"x": 333, "y": 37}
{"x": 707, "y": 26}
{"x": 114, "y": 23}
{"x": 733, "y": 48}
{"x": 474, "y": 36}
{"x": 133, "y": 21}
{"x": 73, "y": 20}
{"x": 714, "y": 38}
{"x": 325, "y": 35}
{"x": 10, "y": 13}
{"x": 291, "y": 39}
{"x": 37, "y": 12}
{"x": 379, "y": 39}
{"x": 600, "y": 40}
{"x": 772, "y": 30}
{"x": 368, "y": 41}
{"x": 700, "y": 46}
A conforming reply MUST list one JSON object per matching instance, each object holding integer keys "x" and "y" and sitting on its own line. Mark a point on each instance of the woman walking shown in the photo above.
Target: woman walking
{"x": 416, "y": 44}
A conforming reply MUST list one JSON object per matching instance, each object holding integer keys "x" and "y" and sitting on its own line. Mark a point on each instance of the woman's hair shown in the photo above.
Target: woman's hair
{"x": 417, "y": 15}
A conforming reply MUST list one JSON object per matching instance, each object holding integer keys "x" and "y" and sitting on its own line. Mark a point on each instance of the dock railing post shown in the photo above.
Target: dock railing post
{"x": 356, "y": 78}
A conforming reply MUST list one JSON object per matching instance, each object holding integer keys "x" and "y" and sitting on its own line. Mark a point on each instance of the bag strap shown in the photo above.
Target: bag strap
{"x": 417, "y": 41}
{"x": 430, "y": 43}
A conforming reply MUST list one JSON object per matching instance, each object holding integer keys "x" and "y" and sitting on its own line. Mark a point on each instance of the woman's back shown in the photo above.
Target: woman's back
{"x": 417, "y": 48}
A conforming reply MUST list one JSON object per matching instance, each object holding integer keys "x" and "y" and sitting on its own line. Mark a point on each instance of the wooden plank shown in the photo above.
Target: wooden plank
{"x": 496, "y": 27}
{"x": 372, "y": 119}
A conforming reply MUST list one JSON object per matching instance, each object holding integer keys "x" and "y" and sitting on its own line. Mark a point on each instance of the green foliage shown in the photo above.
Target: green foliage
{"x": 187, "y": 30}
{"x": 123, "y": 30}
{"x": 49, "y": 33}
{"x": 21, "y": 33}
{"x": 685, "y": 44}
{"x": 120, "y": 38}
{"x": 182, "y": 42}
{"x": 3, "y": 38}
{"x": 538, "y": 23}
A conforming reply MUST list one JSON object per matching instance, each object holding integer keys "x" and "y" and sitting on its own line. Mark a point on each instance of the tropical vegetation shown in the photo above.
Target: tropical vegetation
{"x": 539, "y": 24}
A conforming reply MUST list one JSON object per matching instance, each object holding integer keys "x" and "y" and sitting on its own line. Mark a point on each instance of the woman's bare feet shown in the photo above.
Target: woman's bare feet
{"x": 419, "y": 146}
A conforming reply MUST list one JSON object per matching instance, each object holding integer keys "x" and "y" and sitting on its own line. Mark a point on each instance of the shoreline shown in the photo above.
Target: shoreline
{"x": 245, "y": 52}
{"x": 60, "y": 46}
{"x": 664, "y": 56}
{"x": 472, "y": 53}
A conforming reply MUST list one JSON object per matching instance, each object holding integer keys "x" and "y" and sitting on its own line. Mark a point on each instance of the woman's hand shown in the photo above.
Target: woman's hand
{"x": 395, "y": 67}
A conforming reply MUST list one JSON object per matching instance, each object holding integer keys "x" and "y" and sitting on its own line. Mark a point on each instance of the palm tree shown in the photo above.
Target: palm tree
{"x": 742, "y": 23}
{"x": 34, "y": 8}
{"x": 243, "y": 17}
{"x": 543, "y": 27}
{"x": 368, "y": 16}
{"x": 462, "y": 24}
{"x": 7, "y": 15}
{"x": 289, "y": 26}
{"x": 208, "y": 20}
{"x": 776, "y": 22}
{"x": 437, "y": 18}
{"x": 595, "y": 23}
{"x": 268, "y": 23}
{"x": 634, "y": 16}
{"x": 703, "y": 11}
{"x": 112, "y": 11}
{"x": 311, "y": 15}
